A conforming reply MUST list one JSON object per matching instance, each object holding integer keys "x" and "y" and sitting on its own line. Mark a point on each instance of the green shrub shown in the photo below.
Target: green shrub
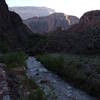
{"x": 34, "y": 91}
{"x": 36, "y": 43}
{"x": 15, "y": 59}
{"x": 52, "y": 63}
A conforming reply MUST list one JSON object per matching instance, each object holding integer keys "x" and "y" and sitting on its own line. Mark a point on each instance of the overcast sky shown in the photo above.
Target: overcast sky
{"x": 71, "y": 7}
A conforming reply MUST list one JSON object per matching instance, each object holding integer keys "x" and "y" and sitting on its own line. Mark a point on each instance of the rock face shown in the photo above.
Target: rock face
{"x": 12, "y": 30}
{"x": 91, "y": 18}
{"x": 51, "y": 23}
{"x": 4, "y": 15}
{"x": 29, "y": 12}
{"x": 86, "y": 34}
{"x": 83, "y": 37}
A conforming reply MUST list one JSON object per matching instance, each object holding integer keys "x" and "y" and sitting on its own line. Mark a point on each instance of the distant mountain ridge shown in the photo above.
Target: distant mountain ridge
{"x": 31, "y": 11}
{"x": 51, "y": 23}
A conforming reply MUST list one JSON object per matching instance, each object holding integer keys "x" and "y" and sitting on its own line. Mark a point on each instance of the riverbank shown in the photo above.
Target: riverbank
{"x": 54, "y": 87}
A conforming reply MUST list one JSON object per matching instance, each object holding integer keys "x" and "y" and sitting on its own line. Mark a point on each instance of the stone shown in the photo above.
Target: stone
{"x": 53, "y": 22}
{"x": 12, "y": 29}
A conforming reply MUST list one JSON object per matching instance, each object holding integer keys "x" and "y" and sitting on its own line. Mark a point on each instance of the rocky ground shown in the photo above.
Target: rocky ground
{"x": 8, "y": 84}
{"x": 4, "y": 89}
{"x": 54, "y": 87}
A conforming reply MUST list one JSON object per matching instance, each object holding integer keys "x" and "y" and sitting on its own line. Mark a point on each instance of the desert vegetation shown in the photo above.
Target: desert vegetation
{"x": 14, "y": 59}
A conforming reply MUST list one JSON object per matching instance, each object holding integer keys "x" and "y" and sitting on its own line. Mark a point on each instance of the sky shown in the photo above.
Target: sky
{"x": 69, "y": 7}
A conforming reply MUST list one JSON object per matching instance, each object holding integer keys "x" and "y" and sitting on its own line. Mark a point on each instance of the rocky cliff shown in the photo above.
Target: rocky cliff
{"x": 12, "y": 31}
{"x": 83, "y": 37}
{"x": 86, "y": 34}
{"x": 90, "y": 19}
{"x": 51, "y": 23}
{"x": 29, "y": 12}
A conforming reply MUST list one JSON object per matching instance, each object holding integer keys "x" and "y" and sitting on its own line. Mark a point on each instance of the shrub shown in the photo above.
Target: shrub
{"x": 52, "y": 63}
{"x": 29, "y": 90}
{"x": 36, "y": 43}
{"x": 15, "y": 59}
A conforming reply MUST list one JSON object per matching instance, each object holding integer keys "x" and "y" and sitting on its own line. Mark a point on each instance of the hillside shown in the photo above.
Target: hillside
{"x": 83, "y": 37}
{"x": 13, "y": 33}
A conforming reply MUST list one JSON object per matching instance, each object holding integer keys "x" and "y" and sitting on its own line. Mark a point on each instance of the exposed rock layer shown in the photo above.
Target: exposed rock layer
{"x": 51, "y": 23}
{"x": 89, "y": 19}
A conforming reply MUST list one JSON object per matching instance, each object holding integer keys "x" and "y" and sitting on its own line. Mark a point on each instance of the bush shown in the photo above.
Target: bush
{"x": 36, "y": 43}
{"x": 52, "y": 63}
{"x": 34, "y": 91}
{"x": 15, "y": 59}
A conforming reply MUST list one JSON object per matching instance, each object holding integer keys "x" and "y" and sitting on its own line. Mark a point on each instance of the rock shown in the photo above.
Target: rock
{"x": 91, "y": 18}
{"x": 4, "y": 90}
{"x": 44, "y": 82}
{"x": 83, "y": 37}
{"x": 2, "y": 65}
{"x": 6, "y": 97}
{"x": 51, "y": 23}
{"x": 12, "y": 30}
{"x": 88, "y": 20}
